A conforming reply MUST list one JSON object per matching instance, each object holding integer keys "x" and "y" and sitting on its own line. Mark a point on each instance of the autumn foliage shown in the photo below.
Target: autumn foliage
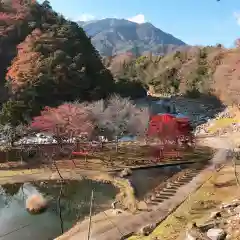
{"x": 65, "y": 121}
{"x": 12, "y": 12}
{"x": 56, "y": 63}
{"x": 24, "y": 68}
{"x": 14, "y": 27}
{"x": 47, "y": 60}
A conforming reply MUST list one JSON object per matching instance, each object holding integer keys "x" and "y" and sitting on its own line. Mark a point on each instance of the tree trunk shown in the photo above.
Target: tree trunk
{"x": 59, "y": 142}
{"x": 116, "y": 147}
{"x": 235, "y": 170}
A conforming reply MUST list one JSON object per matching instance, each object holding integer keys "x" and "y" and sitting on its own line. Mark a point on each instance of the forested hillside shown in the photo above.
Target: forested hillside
{"x": 112, "y": 36}
{"x": 45, "y": 60}
{"x": 193, "y": 71}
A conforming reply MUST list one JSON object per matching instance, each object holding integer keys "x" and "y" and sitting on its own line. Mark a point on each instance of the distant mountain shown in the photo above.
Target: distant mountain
{"x": 113, "y": 36}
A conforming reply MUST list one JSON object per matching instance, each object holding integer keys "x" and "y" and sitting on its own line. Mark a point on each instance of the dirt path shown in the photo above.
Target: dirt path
{"x": 217, "y": 142}
{"x": 17, "y": 176}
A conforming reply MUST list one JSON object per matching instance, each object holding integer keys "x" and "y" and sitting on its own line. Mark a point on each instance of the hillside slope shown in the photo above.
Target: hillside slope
{"x": 45, "y": 60}
{"x": 113, "y": 36}
{"x": 193, "y": 71}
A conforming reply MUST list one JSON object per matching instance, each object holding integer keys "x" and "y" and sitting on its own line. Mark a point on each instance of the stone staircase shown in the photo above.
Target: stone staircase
{"x": 169, "y": 188}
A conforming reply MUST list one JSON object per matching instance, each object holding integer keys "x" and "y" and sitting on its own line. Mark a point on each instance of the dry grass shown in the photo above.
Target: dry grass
{"x": 126, "y": 196}
{"x": 198, "y": 206}
{"x": 222, "y": 123}
{"x": 226, "y": 77}
{"x": 12, "y": 173}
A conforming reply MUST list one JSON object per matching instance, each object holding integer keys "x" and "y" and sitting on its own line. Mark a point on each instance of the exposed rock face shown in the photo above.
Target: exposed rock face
{"x": 222, "y": 224}
{"x": 142, "y": 206}
{"x": 233, "y": 127}
{"x": 216, "y": 234}
{"x": 125, "y": 172}
{"x": 146, "y": 230}
{"x": 117, "y": 211}
{"x": 189, "y": 237}
{"x": 233, "y": 204}
{"x": 36, "y": 204}
{"x": 195, "y": 233}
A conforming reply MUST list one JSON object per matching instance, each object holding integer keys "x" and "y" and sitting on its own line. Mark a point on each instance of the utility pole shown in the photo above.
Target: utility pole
{"x": 90, "y": 216}
{"x": 162, "y": 48}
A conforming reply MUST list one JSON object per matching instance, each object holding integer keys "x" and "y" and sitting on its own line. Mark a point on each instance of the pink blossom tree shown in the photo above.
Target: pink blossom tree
{"x": 64, "y": 122}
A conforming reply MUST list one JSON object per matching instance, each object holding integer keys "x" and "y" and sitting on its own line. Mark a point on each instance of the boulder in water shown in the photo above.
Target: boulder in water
{"x": 36, "y": 203}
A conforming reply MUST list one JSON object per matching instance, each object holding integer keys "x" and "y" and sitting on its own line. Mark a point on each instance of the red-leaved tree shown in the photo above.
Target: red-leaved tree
{"x": 64, "y": 122}
{"x": 25, "y": 66}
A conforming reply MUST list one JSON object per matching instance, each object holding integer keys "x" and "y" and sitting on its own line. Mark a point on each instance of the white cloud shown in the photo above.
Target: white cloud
{"x": 140, "y": 18}
{"x": 85, "y": 17}
{"x": 237, "y": 17}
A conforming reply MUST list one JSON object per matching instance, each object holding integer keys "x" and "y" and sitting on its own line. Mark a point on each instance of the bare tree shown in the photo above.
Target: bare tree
{"x": 11, "y": 133}
{"x": 237, "y": 43}
{"x": 119, "y": 117}
{"x": 138, "y": 122}
{"x": 97, "y": 110}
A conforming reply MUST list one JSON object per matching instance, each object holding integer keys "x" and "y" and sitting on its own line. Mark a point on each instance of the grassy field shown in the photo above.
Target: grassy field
{"x": 128, "y": 155}
{"x": 12, "y": 173}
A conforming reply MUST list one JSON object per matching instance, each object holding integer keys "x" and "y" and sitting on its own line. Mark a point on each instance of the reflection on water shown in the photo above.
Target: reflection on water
{"x": 145, "y": 180}
{"x": 17, "y": 223}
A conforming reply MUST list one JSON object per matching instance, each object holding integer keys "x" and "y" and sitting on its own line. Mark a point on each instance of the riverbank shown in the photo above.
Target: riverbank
{"x": 126, "y": 194}
{"x": 79, "y": 171}
{"x": 222, "y": 134}
{"x": 219, "y": 188}
{"x": 125, "y": 198}
{"x": 120, "y": 226}
{"x": 113, "y": 224}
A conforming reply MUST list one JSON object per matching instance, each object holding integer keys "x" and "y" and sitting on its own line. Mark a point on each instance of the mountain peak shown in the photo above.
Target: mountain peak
{"x": 113, "y": 36}
{"x": 147, "y": 24}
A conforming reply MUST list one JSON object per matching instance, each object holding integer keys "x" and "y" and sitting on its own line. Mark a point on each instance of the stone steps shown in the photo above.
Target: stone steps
{"x": 159, "y": 195}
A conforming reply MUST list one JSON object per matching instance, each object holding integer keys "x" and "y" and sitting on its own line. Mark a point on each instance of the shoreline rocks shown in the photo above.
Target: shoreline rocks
{"x": 216, "y": 234}
{"x": 222, "y": 224}
{"x": 125, "y": 172}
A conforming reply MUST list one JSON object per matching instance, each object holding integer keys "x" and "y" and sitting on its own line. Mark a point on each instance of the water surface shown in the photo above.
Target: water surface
{"x": 144, "y": 180}
{"x": 17, "y": 224}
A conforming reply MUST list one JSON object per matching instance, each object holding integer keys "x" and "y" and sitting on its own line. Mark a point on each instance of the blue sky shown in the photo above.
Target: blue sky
{"x": 197, "y": 22}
